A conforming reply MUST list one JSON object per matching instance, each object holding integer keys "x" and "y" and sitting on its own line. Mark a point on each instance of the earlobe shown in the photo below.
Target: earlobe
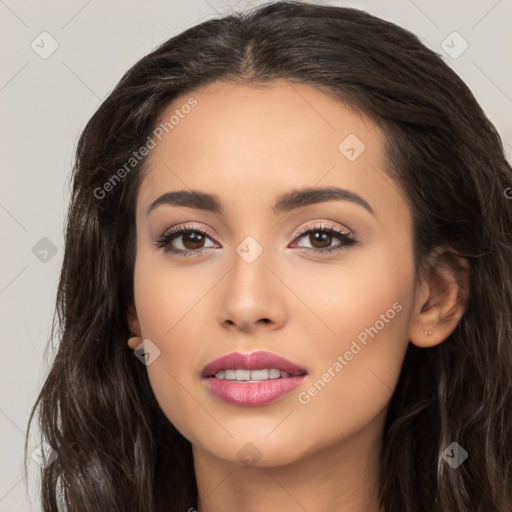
{"x": 441, "y": 300}
{"x": 134, "y": 342}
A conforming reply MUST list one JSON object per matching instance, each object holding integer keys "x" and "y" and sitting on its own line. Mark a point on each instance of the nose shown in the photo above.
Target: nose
{"x": 252, "y": 297}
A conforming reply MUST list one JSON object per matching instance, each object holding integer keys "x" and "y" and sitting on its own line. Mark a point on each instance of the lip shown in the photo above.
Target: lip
{"x": 252, "y": 361}
{"x": 252, "y": 393}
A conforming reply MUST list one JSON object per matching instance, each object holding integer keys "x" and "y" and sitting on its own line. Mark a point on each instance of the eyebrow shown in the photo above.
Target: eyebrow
{"x": 289, "y": 201}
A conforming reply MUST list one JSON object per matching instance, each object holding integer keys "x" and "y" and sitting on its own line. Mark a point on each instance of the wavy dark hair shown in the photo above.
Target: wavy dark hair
{"x": 116, "y": 450}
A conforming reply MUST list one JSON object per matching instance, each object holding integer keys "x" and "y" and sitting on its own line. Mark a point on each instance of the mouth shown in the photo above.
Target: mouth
{"x": 253, "y": 379}
{"x": 254, "y": 366}
{"x": 242, "y": 375}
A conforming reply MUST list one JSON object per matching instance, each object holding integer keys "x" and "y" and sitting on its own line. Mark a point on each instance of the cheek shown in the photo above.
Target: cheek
{"x": 163, "y": 297}
{"x": 168, "y": 302}
{"x": 367, "y": 307}
{"x": 371, "y": 288}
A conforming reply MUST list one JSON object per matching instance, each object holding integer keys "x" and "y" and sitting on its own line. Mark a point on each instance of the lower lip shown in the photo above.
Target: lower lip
{"x": 253, "y": 394}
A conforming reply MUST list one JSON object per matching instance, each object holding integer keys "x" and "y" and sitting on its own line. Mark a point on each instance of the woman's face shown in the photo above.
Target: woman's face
{"x": 251, "y": 282}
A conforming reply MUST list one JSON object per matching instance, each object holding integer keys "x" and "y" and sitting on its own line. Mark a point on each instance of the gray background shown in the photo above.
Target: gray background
{"x": 46, "y": 102}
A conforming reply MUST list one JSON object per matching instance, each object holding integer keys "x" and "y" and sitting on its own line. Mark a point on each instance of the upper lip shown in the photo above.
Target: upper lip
{"x": 251, "y": 361}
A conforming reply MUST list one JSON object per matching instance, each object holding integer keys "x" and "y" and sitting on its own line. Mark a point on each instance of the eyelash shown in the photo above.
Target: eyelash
{"x": 169, "y": 236}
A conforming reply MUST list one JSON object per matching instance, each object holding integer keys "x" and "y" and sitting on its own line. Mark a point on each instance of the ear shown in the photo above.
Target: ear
{"x": 133, "y": 320}
{"x": 441, "y": 298}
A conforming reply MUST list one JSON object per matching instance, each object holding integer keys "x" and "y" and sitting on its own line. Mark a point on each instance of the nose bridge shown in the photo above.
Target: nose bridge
{"x": 250, "y": 265}
{"x": 251, "y": 292}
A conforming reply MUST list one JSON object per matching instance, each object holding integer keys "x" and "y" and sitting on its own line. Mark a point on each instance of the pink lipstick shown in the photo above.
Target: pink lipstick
{"x": 253, "y": 379}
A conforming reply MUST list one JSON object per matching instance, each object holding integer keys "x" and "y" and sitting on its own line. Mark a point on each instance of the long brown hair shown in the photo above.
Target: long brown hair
{"x": 115, "y": 448}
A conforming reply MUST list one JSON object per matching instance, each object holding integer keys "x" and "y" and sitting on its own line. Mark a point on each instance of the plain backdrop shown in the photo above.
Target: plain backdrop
{"x": 45, "y": 102}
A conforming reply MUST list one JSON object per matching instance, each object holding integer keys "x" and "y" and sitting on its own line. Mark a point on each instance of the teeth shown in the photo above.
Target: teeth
{"x": 259, "y": 374}
{"x": 242, "y": 374}
{"x": 252, "y": 375}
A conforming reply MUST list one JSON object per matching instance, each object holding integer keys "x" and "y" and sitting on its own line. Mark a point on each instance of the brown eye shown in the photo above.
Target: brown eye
{"x": 192, "y": 241}
{"x": 321, "y": 237}
{"x": 320, "y": 240}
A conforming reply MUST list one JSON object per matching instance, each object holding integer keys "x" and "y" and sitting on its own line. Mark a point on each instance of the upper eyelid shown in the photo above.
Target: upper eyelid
{"x": 317, "y": 225}
{"x": 323, "y": 225}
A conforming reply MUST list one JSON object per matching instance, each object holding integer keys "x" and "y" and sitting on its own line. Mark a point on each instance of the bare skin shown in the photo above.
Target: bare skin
{"x": 316, "y": 451}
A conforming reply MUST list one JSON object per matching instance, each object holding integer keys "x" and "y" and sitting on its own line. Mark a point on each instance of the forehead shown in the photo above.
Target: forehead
{"x": 248, "y": 144}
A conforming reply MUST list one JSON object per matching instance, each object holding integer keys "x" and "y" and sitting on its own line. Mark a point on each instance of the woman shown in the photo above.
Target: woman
{"x": 286, "y": 280}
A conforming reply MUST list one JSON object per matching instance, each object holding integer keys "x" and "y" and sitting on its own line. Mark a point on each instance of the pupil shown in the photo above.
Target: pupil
{"x": 198, "y": 240}
{"x": 321, "y": 238}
